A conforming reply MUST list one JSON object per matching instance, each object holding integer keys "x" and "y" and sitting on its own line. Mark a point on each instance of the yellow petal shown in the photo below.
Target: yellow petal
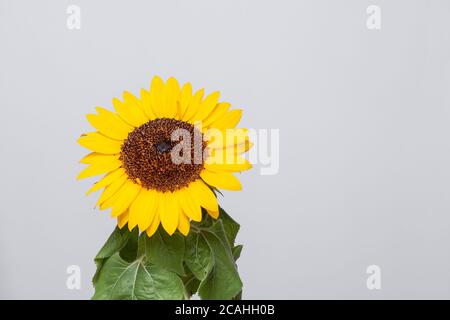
{"x": 240, "y": 164}
{"x": 185, "y": 99}
{"x": 218, "y": 112}
{"x": 207, "y": 106}
{"x": 122, "y": 200}
{"x": 229, "y": 120}
{"x": 171, "y": 96}
{"x": 154, "y": 226}
{"x": 134, "y": 211}
{"x": 129, "y": 111}
{"x": 112, "y": 189}
{"x": 146, "y": 104}
{"x": 169, "y": 212}
{"x": 236, "y": 149}
{"x": 225, "y": 138}
{"x": 214, "y": 214}
{"x": 228, "y": 159}
{"x": 122, "y": 219}
{"x": 130, "y": 99}
{"x": 107, "y": 180}
{"x": 151, "y": 208}
{"x": 99, "y": 143}
{"x": 98, "y": 158}
{"x": 183, "y": 224}
{"x": 107, "y": 164}
{"x": 194, "y": 105}
{"x": 109, "y": 124}
{"x": 204, "y": 195}
{"x": 91, "y": 157}
{"x": 223, "y": 180}
{"x": 142, "y": 210}
{"x": 156, "y": 96}
{"x": 190, "y": 205}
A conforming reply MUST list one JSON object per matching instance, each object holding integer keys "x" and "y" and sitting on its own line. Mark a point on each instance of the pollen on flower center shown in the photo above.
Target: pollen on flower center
{"x": 146, "y": 155}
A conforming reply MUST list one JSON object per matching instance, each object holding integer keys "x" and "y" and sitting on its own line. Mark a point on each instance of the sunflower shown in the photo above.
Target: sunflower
{"x": 143, "y": 183}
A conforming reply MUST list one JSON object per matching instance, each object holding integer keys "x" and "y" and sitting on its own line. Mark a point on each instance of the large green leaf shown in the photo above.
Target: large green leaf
{"x": 230, "y": 226}
{"x": 191, "y": 283}
{"x": 237, "y": 251}
{"x": 116, "y": 242}
{"x": 130, "y": 266}
{"x": 166, "y": 251}
{"x": 137, "y": 280}
{"x": 129, "y": 251}
{"x": 198, "y": 255}
{"x": 223, "y": 280}
{"x": 142, "y": 245}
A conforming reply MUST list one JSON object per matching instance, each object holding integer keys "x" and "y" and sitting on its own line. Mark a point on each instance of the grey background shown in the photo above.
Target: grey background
{"x": 364, "y": 135}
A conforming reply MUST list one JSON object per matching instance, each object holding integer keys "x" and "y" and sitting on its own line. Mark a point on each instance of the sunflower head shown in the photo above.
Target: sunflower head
{"x": 161, "y": 154}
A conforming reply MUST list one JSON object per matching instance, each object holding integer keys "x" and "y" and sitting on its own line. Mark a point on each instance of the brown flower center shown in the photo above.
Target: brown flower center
{"x": 162, "y": 154}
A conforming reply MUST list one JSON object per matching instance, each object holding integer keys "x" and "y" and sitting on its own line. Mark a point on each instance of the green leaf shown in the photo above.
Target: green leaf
{"x": 137, "y": 280}
{"x": 191, "y": 284}
{"x": 237, "y": 252}
{"x": 166, "y": 251}
{"x": 116, "y": 241}
{"x": 238, "y": 296}
{"x": 129, "y": 251}
{"x": 133, "y": 266}
{"x": 231, "y": 226}
{"x": 223, "y": 280}
{"x": 142, "y": 245}
{"x": 198, "y": 255}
